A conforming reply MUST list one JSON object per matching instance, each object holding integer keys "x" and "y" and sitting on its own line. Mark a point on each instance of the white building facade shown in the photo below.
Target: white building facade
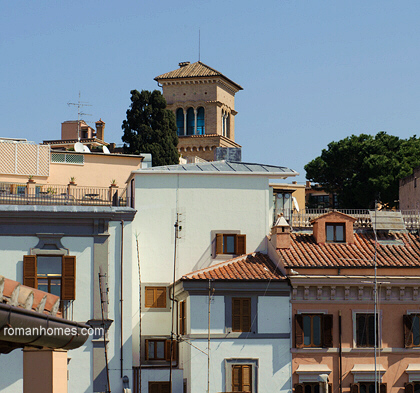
{"x": 190, "y": 217}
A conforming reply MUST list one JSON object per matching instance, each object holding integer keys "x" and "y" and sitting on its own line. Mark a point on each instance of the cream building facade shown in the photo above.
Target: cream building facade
{"x": 203, "y": 101}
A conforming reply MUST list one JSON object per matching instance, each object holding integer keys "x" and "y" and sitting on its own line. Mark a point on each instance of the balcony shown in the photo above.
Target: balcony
{"x": 50, "y": 194}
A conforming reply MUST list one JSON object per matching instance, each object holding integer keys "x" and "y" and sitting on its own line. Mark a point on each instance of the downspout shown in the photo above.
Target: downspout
{"x": 340, "y": 364}
{"x": 121, "y": 298}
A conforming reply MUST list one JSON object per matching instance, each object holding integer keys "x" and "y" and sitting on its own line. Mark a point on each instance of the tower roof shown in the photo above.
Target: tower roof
{"x": 195, "y": 70}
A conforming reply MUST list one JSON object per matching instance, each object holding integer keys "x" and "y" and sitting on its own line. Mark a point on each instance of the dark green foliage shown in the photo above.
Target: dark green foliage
{"x": 360, "y": 169}
{"x": 151, "y": 128}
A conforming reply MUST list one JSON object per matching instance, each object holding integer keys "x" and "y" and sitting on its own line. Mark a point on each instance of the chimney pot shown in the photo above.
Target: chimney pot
{"x": 183, "y": 64}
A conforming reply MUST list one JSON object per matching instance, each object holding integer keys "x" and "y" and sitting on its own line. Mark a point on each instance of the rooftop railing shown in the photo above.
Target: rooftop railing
{"x": 51, "y": 194}
{"x": 303, "y": 218}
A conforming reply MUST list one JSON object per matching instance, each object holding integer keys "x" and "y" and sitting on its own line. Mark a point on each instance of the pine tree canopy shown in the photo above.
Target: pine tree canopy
{"x": 364, "y": 168}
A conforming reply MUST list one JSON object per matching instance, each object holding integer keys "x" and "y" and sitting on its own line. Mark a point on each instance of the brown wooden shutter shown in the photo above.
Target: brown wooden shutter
{"x": 408, "y": 330}
{"x": 68, "y": 278}
{"x": 182, "y": 318}
{"x": 219, "y": 243}
{"x": 246, "y": 315}
{"x": 160, "y": 297}
{"x": 299, "y": 331}
{"x": 154, "y": 387}
{"x": 30, "y": 271}
{"x": 236, "y": 315}
{"x": 240, "y": 244}
{"x": 354, "y": 388}
{"x": 146, "y": 346}
{"x": 168, "y": 350}
{"x": 165, "y": 387}
{"x": 299, "y": 388}
{"x": 149, "y": 292}
{"x": 236, "y": 378}
{"x": 382, "y": 388}
{"x": 327, "y": 330}
{"x": 409, "y": 388}
{"x": 247, "y": 378}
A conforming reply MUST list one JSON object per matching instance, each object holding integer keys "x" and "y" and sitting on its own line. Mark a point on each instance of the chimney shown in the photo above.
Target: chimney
{"x": 280, "y": 234}
{"x": 100, "y": 127}
{"x": 183, "y": 64}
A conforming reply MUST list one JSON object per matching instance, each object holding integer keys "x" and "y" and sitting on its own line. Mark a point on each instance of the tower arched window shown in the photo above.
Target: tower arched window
{"x": 200, "y": 121}
{"x": 180, "y": 121}
{"x": 190, "y": 121}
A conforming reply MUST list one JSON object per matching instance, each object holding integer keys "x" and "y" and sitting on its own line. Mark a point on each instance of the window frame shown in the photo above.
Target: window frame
{"x": 159, "y": 387}
{"x": 230, "y": 362}
{"x": 239, "y": 243}
{"x": 355, "y": 313}
{"x": 335, "y": 226}
{"x": 166, "y": 351}
{"x": 67, "y": 277}
{"x": 326, "y": 329}
{"x": 355, "y": 387}
{"x": 242, "y": 324}
{"x": 156, "y": 298}
{"x": 408, "y": 327}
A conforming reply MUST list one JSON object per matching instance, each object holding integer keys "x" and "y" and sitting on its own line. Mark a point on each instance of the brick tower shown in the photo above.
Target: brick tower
{"x": 203, "y": 101}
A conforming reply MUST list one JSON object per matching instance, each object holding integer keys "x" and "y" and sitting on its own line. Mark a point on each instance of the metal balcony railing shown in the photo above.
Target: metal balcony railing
{"x": 51, "y": 194}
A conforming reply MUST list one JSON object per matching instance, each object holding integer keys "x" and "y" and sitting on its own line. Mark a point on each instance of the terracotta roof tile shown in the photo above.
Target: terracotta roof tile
{"x": 197, "y": 69}
{"x": 402, "y": 251}
{"x": 252, "y": 267}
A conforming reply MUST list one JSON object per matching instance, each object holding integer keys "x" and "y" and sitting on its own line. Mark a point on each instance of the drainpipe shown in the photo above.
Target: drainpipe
{"x": 340, "y": 364}
{"x": 121, "y": 297}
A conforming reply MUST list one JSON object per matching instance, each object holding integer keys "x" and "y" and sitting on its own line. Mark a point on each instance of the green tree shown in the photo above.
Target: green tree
{"x": 363, "y": 168}
{"x": 151, "y": 128}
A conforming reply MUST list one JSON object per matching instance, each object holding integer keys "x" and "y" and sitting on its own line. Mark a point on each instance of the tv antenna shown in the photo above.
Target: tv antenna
{"x": 199, "y": 44}
{"x": 79, "y": 104}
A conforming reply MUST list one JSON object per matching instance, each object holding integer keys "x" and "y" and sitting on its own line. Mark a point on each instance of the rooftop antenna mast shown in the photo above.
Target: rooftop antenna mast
{"x": 199, "y": 44}
{"x": 79, "y": 105}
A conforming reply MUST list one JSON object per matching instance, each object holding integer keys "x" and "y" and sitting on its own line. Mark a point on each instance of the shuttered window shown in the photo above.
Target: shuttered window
{"x": 159, "y": 387}
{"x": 53, "y": 274}
{"x": 241, "y": 314}
{"x": 367, "y": 387}
{"x": 411, "y": 330}
{"x": 365, "y": 330}
{"x": 412, "y": 387}
{"x": 230, "y": 244}
{"x": 155, "y": 297}
{"x": 313, "y": 330}
{"x": 310, "y": 388}
{"x": 161, "y": 350}
{"x": 242, "y": 378}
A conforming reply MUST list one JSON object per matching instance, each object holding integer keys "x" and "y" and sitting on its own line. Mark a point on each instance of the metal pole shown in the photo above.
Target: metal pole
{"x": 208, "y": 341}
{"x": 375, "y": 322}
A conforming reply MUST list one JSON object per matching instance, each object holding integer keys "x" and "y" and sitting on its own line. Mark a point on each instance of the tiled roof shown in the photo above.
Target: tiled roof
{"x": 15, "y": 294}
{"x": 226, "y": 167}
{"x": 250, "y": 267}
{"x": 197, "y": 69}
{"x": 393, "y": 250}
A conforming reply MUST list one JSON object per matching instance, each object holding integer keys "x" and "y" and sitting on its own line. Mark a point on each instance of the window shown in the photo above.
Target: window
{"x": 367, "y": 387}
{"x": 242, "y": 378}
{"x": 313, "y": 330}
{"x": 159, "y": 387}
{"x": 200, "y": 121}
{"x": 413, "y": 387}
{"x": 182, "y": 318}
{"x": 180, "y": 121}
{"x": 241, "y": 314}
{"x": 190, "y": 121}
{"x": 230, "y": 244}
{"x": 54, "y": 274}
{"x": 335, "y": 233}
{"x": 310, "y": 387}
{"x": 155, "y": 297}
{"x": 411, "y": 330}
{"x": 160, "y": 350}
{"x": 365, "y": 330}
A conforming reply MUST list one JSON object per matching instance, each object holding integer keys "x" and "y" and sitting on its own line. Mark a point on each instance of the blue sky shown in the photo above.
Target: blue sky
{"x": 312, "y": 71}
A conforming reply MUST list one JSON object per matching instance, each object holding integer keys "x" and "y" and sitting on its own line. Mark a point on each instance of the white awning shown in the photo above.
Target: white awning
{"x": 311, "y": 372}
{"x": 366, "y": 372}
{"x": 413, "y": 371}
